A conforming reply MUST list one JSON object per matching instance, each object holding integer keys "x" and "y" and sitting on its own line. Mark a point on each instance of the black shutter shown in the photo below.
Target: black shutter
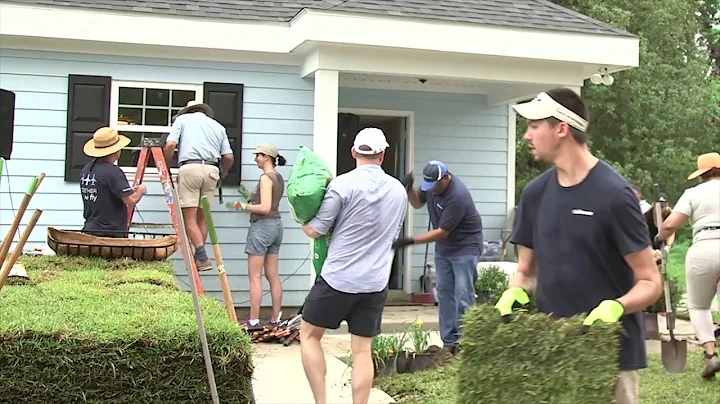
{"x": 88, "y": 110}
{"x": 226, "y": 100}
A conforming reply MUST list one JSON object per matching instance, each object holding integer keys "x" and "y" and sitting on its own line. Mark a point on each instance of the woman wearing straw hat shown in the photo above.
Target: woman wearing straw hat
{"x": 701, "y": 205}
{"x": 104, "y": 187}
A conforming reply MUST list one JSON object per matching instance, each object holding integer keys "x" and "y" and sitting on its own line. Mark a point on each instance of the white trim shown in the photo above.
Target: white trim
{"x": 176, "y": 35}
{"x": 409, "y": 166}
{"x": 410, "y": 84}
{"x": 114, "y": 104}
{"x": 511, "y": 163}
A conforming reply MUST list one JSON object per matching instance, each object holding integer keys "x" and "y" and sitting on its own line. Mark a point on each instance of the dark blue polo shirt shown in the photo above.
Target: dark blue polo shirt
{"x": 102, "y": 186}
{"x": 454, "y": 211}
{"x": 580, "y": 236}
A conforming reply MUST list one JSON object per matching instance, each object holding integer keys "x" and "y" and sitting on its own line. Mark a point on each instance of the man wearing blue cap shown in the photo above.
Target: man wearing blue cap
{"x": 457, "y": 233}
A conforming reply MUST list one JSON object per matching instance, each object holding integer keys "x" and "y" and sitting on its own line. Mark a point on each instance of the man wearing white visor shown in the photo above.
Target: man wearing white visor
{"x": 583, "y": 241}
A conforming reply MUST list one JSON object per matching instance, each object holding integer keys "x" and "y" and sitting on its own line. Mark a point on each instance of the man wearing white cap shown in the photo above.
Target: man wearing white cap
{"x": 583, "y": 241}
{"x": 365, "y": 208}
{"x": 104, "y": 187}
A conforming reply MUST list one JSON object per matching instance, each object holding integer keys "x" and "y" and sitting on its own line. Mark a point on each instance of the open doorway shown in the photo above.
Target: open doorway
{"x": 395, "y": 163}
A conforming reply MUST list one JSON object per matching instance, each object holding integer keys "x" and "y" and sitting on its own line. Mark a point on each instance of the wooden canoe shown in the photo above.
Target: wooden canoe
{"x": 76, "y": 243}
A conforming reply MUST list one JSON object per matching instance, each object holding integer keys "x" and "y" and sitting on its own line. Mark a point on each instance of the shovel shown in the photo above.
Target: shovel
{"x": 673, "y": 352}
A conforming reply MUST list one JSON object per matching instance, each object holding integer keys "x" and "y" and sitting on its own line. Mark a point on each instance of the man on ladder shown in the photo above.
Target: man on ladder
{"x": 204, "y": 156}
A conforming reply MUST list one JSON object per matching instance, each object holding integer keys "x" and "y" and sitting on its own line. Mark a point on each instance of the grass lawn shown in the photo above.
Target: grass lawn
{"x": 657, "y": 386}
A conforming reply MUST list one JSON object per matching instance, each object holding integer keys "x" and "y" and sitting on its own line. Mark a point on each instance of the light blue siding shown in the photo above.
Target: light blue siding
{"x": 460, "y": 130}
{"x": 278, "y": 108}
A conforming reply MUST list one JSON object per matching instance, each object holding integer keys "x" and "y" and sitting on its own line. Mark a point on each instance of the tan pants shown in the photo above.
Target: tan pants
{"x": 702, "y": 271}
{"x": 627, "y": 390}
{"x": 194, "y": 181}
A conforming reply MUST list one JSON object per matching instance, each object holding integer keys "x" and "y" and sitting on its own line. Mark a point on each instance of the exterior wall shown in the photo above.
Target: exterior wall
{"x": 462, "y": 131}
{"x": 278, "y": 108}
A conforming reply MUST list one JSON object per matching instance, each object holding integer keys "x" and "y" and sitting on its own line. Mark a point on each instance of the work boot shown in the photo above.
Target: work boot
{"x": 203, "y": 265}
{"x": 712, "y": 366}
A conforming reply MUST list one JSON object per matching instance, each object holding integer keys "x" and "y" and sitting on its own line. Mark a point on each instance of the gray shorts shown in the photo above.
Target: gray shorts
{"x": 264, "y": 237}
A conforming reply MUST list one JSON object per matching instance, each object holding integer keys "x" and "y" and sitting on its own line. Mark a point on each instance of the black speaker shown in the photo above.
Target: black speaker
{"x": 7, "y": 122}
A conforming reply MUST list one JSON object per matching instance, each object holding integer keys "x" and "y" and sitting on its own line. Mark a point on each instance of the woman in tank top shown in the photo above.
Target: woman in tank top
{"x": 701, "y": 205}
{"x": 265, "y": 233}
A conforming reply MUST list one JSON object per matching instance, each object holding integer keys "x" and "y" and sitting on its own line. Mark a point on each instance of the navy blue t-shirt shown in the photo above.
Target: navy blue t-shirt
{"x": 102, "y": 186}
{"x": 454, "y": 211}
{"x": 580, "y": 236}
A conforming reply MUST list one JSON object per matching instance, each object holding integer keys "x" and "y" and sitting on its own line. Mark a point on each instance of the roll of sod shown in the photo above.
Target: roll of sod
{"x": 91, "y": 330}
{"x": 535, "y": 359}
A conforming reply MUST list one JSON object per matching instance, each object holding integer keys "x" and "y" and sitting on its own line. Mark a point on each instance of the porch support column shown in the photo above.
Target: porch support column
{"x": 325, "y": 125}
{"x": 510, "y": 194}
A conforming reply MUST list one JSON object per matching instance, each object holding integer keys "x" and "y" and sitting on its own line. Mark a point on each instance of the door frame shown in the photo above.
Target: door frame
{"x": 409, "y": 166}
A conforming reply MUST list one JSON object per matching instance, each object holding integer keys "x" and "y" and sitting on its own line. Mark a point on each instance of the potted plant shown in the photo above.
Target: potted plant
{"x": 420, "y": 340}
{"x": 384, "y": 356}
{"x": 397, "y": 350}
{"x": 650, "y": 314}
{"x": 491, "y": 283}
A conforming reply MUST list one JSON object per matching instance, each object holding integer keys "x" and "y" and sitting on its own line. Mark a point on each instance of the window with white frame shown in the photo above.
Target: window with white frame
{"x": 140, "y": 110}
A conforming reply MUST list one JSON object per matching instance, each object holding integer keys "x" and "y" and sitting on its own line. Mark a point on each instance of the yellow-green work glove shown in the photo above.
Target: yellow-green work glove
{"x": 608, "y": 311}
{"x": 245, "y": 192}
{"x": 509, "y": 298}
{"x": 236, "y": 205}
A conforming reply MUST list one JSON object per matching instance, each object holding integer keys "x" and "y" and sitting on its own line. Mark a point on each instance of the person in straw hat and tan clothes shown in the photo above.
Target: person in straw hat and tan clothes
{"x": 104, "y": 187}
{"x": 265, "y": 234}
{"x": 204, "y": 156}
{"x": 701, "y": 205}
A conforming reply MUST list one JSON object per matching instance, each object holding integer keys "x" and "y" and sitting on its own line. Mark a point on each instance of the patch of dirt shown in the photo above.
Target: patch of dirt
{"x": 440, "y": 357}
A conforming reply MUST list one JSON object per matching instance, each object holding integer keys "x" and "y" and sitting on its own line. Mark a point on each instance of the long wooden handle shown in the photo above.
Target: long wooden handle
{"x": 18, "y": 217}
{"x": 227, "y": 294}
{"x": 18, "y": 248}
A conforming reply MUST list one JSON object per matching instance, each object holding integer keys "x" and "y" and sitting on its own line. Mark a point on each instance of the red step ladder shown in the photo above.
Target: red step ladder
{"x": 152, "y": 147}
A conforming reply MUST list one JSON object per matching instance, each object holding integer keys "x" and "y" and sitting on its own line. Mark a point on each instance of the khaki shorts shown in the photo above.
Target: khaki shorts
{"x": 627, "y": 390}
{"x": 194, "y": 181}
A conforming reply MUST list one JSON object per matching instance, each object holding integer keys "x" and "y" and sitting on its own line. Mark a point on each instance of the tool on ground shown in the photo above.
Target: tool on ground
{"x": 34, "y": 185}
{"x": 6, "y": 266}
{"x": 227, "y": 293}
{"x": 286, "y": 332}
{"x": 673, "y": 352}
{"x": 152, "y": 147}
{"x": 172, "y": 199}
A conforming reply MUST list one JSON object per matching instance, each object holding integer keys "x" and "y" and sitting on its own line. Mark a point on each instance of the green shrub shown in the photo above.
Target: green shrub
{"x": 90, "y": 330}
{"x": 535, "y": 359}
{"x": 675, "y": 297}
{"x": 491, "y": 283}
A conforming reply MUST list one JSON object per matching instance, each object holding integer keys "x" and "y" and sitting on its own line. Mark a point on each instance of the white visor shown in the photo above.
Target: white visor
{"x": 543, "y": 107}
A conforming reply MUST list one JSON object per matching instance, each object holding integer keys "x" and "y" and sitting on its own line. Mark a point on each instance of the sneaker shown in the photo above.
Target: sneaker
{"x": 250, "y": 325}
{"x": 203, "y": 265}
{"x": 712, "y": 366}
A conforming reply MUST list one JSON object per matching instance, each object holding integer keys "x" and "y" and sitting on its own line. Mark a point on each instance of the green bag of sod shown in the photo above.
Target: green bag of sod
{"x": 306, "y": 188}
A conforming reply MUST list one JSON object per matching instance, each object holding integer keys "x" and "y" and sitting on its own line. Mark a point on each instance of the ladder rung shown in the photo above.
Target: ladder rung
{"x": 152, "y": 225}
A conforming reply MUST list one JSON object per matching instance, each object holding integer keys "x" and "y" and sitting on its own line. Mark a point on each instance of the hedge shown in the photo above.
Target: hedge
{"x": 90, "y": 330}
{"x": 535, "y": 359}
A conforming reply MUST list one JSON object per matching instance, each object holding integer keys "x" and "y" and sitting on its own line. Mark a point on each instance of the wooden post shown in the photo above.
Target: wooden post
{"x": 227, "y": 294}
{"x": 18, "y": 217}
{"x": 18, "y": 248}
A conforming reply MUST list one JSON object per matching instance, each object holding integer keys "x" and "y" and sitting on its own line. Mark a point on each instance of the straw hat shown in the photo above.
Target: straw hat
{"x": 705, "y": 162}
{"x": 105, "y": 141}
{"x": 199, "y": 105}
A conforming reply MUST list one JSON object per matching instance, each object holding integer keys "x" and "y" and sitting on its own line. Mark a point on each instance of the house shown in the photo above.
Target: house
{"x": 438, "y": 77}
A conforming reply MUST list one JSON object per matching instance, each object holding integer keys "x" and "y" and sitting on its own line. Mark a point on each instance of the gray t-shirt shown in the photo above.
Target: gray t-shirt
{"x": 702, "y": 204}
{"x": 367, "y": 208}
{"x": 199, "y": 137}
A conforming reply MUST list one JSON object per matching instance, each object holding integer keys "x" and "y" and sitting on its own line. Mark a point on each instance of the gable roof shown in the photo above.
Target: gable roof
{"x": 537, "y": 14}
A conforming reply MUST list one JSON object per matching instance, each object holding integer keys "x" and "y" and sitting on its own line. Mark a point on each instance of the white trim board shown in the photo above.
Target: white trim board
{"x": 312, "y": 27}
{"x": 409, "y": 166}
{"x": 511, "y": 161}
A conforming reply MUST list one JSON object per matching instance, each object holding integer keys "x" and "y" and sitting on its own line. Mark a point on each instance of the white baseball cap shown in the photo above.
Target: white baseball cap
{"x": 373, "y": 138}
{"x": 543, "y": 106}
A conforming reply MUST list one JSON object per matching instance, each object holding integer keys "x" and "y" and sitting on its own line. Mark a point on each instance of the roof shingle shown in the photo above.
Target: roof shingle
{"x": 537, "y": 14}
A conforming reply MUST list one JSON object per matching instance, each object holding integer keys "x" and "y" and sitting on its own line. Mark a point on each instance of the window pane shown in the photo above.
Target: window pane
{"x": 131, "y": 96}
{"x": 130, "y": 116}
{"x": 180, "y": 98}
{"x": 157, "y": 117}
{"x": 129, "y": 158}
{"x": 134, "y": 138}
{"x": 157, "y": 97}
